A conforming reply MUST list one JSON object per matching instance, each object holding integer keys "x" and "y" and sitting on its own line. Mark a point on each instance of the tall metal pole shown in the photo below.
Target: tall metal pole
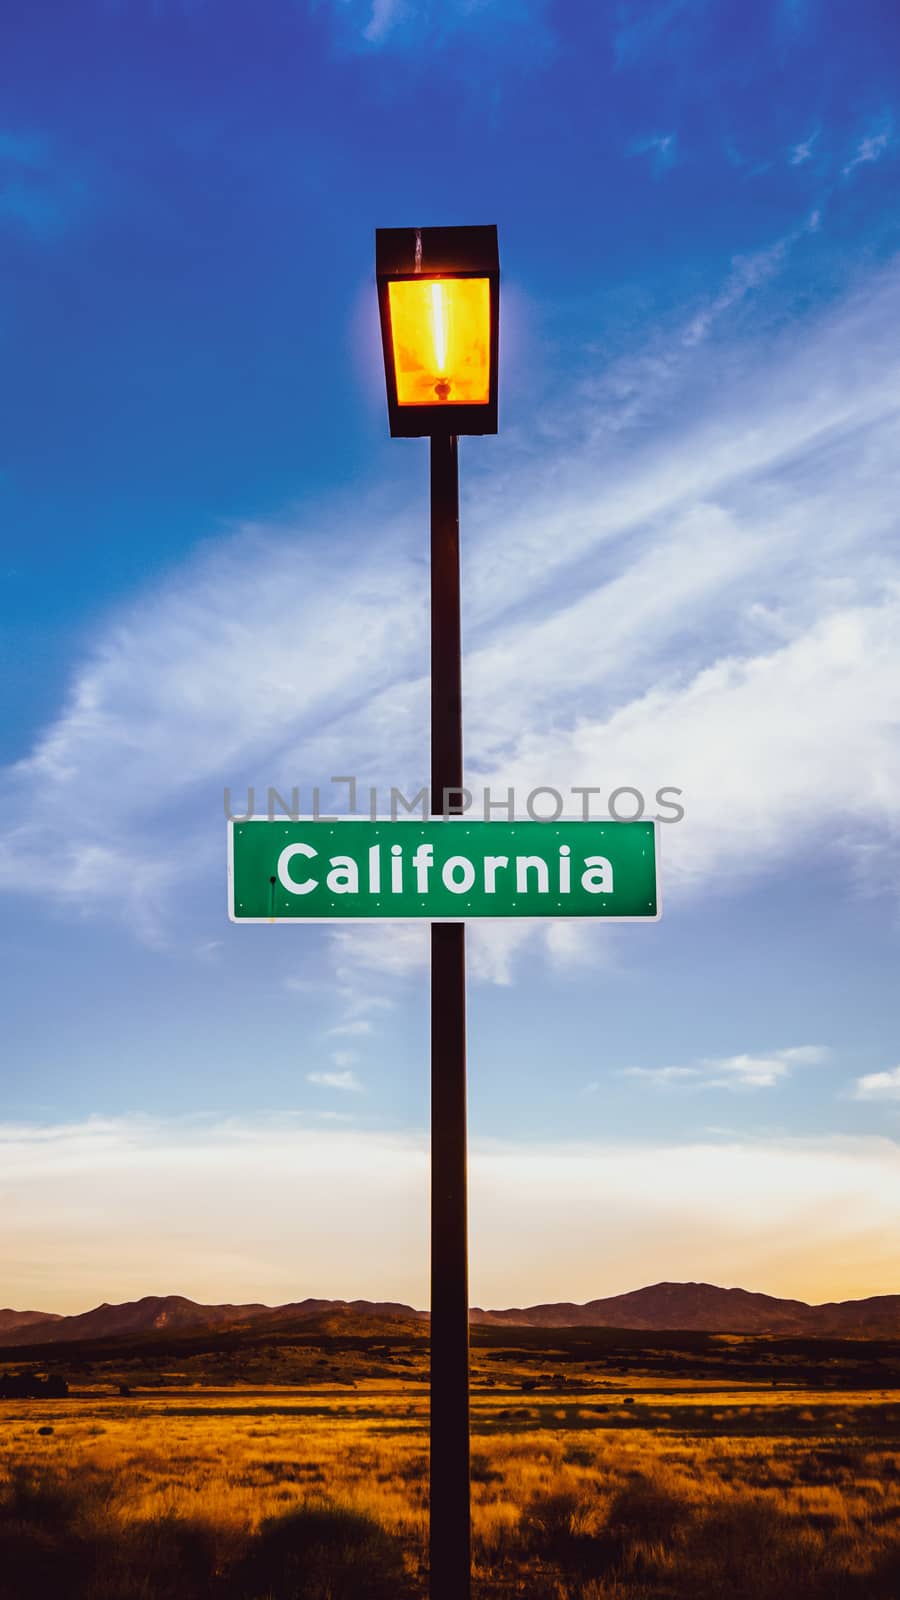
{"x": 450, "y": 1539}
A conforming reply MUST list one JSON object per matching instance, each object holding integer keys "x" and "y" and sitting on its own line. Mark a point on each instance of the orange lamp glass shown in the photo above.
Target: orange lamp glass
{"x": 441, "y": 338}
{"x": 439, "y": 309}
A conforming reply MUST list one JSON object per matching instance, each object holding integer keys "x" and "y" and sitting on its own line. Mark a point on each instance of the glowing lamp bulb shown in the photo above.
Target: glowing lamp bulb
{"x": 441, "y": 337}
{"x": 439, "y": 325}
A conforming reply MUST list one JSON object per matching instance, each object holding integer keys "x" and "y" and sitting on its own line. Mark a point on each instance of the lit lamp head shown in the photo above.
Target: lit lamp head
{"x": 439, "y": 298}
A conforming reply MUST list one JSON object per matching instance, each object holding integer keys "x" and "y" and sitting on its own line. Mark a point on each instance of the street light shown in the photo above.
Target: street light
{"x": 439, "y": 299}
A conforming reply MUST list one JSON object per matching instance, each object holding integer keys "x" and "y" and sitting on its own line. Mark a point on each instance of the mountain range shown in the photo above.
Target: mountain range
{"x": 661, "y": 1307}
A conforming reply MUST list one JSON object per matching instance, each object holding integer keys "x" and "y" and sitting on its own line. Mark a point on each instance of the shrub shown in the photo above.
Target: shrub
{"x": 320, "y": 1553}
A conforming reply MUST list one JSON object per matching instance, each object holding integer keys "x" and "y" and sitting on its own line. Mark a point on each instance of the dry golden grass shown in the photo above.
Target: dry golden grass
{"x": 744, "y": 1493}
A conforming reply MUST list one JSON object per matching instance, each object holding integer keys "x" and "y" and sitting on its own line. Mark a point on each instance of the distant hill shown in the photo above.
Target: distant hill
{"x": 704, "y": 1307}
{"x": 339, "y": 1316}
{"x": 175, "y": 1314}
{"x": 24, "y": 1319}
{"x": 659, "y": 1308}
{"x": 154, "y": 1312}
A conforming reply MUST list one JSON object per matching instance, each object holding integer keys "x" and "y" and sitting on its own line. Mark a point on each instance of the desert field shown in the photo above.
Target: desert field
{"x": 615, "y": 1488}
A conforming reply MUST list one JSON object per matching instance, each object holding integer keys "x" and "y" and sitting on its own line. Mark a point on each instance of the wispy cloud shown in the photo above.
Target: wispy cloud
{"x": 298, "y": 985}
{"x": 748, "y": 273}
{"x": 234, "y": 1210}
{"x": 386, "y": 16}
{"x": 762, "y": 1071}
{"x": 491, "y": 948}
{"x": 872, "y": 147}
{"x": 658, "y": 1075}
{"x": 662, "y": 147}
{"x": 879, "y": 1085}
{"x": 643, "y": 25}
{"x": 802, "y": 152}
{"x": 430, "y": 25}
{"x": 743, "y": 1071}
{"x": 345, "y": 1080}
{"x": 403, "y": 950}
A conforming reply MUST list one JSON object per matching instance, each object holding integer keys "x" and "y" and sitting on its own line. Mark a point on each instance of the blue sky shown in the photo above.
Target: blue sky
{"x": 679, "y": 568}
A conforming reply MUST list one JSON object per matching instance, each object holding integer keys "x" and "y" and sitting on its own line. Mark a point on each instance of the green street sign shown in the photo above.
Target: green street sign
{"x": 440, "y": 870}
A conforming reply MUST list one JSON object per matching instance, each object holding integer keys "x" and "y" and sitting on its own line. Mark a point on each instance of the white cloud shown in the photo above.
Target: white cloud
{"x": 879, "y": 1085}
{"x": 662, "y": 147}
{"x": 641, "y": 28}
{"x": 403, "y": 949}
{"x": 421, "y": 25}
{"x": 661, "y": 1074}
{"x": 358, "y": 1001}
{"x": 491, "y": 949}
{"x": 277, "y": 1209}
{"x": 353, "y": 1029}
{"x": 736, "y": 1072}
{"x": 573, "y": 945}
{"x": 764, "y": 774}
{"x": 336, "y": 1080}
{"x": 872, "y": 148}
{"x": 802, "y": 152}
{"x": 393, "y": 951}
{"x": 747, "y": 273}
{"x": 209, "y": 949}
{"x": 761, "y": 1072}
{"x": 386, "y": 14}
{"x": 170, "y": 705}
